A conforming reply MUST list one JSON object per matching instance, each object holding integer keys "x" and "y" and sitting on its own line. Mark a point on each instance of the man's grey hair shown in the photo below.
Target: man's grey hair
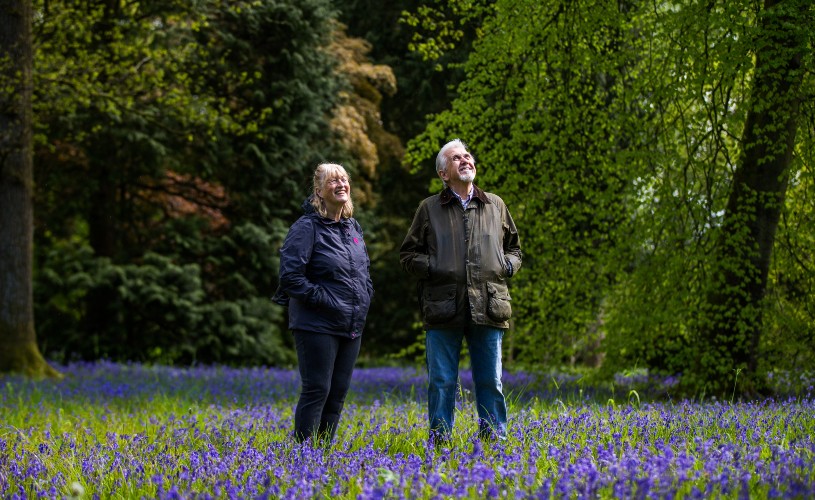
{"x": 441, "y": 158}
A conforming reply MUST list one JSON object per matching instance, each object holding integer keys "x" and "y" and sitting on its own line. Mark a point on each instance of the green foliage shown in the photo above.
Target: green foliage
{"x": 544, "y": 102}
{"x": 424, "y": 86}
{"x": 267, "y": 61}
{"x": 613, "y": 131}
{"x": 175, "y": 144}
{"x": 439, "y": 27}
{"x": 161, "y": 309}
{"x": 175, "y": 141}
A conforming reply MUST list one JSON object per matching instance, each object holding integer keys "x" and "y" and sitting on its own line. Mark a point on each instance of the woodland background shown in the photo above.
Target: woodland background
{"x": 657, "y": 158}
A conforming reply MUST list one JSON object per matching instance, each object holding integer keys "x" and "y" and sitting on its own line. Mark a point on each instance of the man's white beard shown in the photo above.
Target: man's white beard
{"x": 468, "y": 177}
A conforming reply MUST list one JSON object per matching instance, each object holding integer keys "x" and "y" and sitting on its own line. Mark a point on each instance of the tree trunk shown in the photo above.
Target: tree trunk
{"x": 18, "y": 341}
{"x": 732, "y": 326}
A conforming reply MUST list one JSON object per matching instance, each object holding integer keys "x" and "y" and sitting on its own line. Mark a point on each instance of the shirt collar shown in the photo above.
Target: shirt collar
{"x": 448, "y": 196}
{"x": 464, "y": 201}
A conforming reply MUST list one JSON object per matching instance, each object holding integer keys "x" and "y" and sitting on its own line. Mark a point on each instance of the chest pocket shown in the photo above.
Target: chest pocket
{"x": 439, "y": 303}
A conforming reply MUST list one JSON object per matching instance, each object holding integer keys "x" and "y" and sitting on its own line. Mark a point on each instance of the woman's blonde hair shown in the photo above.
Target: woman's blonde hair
{"x": 324, "y": 173}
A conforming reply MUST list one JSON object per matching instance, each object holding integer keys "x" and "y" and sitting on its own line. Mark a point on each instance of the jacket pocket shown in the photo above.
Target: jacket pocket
{"x": 498, "y": 302}
{"x": 439, "y": 303}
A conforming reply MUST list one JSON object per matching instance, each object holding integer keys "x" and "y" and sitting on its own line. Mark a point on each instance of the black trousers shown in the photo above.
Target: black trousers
{"x": 326, "y": 363}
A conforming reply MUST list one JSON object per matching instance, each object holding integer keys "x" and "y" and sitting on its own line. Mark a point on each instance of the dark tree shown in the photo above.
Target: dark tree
{"x": 18, "y": 341}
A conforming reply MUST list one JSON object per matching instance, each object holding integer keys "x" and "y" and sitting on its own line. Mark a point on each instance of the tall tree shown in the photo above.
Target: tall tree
{"x": 730, "y": 332}
{"x": 18, "y": 341}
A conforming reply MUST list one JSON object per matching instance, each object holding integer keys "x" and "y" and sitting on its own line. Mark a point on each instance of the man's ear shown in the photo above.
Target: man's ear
{"x": 443, "y": 175}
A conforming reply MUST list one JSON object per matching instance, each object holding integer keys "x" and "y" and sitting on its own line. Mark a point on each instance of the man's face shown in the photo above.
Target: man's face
{"x": 460, "y": 167}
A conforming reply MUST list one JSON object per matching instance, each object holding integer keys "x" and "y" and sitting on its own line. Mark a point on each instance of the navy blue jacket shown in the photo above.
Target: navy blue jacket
{"x": 325, "y": 273}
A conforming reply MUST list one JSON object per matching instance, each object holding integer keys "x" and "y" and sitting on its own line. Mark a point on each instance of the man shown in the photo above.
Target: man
{"x": 463, "y": 246}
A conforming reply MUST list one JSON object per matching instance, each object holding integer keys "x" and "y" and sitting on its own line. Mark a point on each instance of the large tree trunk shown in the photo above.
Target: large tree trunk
{"x": 732, "y": 328}
{"x": 18, "y": 341}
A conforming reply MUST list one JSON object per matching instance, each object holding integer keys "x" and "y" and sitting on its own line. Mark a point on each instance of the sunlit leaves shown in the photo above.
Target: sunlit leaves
{"x": 439, "y": 25}
{"x": 613, "y": 132}
{"x": 538, "y": 111}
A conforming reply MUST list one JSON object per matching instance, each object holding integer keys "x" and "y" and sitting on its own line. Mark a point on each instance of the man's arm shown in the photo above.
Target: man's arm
{"x": 413, "y": 252}
{"x": 512, "y": 243}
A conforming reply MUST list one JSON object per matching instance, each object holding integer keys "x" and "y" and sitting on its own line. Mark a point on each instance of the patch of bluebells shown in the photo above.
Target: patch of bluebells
{"x": 643, "y": 382}
{"x": 233, "y": 441}
{"x": 788, "y": 382}
{"x": 780, "y": 383}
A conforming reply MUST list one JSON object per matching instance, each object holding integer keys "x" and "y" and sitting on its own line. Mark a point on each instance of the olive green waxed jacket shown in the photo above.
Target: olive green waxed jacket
{"x": 462, "y": 259}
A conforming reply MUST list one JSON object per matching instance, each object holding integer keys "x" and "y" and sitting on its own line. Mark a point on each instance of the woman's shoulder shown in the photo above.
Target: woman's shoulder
{"x": 302, "y": 221}
{"x": 304, "y": 224}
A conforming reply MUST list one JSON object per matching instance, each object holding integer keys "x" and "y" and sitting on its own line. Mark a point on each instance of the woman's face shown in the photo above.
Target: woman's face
{"x": 336, "y": 191}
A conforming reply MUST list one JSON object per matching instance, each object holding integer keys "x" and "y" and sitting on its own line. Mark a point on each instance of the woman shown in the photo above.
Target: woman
{"x": 324, "y": 273}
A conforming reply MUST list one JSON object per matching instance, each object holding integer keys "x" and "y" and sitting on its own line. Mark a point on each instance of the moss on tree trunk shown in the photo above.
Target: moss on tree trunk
{"x": 24, "y": 358}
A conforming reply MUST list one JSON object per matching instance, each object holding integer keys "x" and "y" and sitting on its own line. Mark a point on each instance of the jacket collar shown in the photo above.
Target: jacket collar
{"x": 308, "y": 211}
{"x": 328, "y": 222}
{"x": 447, "y": 196}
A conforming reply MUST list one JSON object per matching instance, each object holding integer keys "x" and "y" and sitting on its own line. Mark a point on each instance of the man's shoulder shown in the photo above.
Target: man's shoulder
{"x": 494, "y": 198}
{"x": 434, "y": 199}
{"x": 485, "y": 197}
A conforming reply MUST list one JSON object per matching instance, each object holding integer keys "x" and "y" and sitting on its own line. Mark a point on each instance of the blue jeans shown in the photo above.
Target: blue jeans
{"x": 443, "y": 348}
